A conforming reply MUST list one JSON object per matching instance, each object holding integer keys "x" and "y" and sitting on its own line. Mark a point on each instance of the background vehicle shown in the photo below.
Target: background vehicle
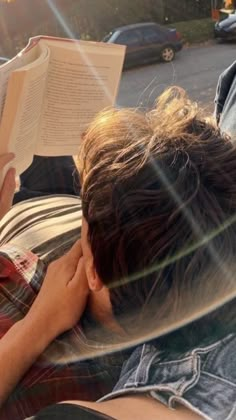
{"x": 226, "y": 29}
{"x": 146, "y": 42}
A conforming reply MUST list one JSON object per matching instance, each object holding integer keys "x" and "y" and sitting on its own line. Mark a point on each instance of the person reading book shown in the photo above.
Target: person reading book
{"x": 158, "y": 192}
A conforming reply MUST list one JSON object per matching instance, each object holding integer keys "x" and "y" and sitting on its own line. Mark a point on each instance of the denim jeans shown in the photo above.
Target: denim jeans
{"x": 204, "y": 380}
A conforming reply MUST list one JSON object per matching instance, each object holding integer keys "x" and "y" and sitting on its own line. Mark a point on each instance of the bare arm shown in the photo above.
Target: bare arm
{"x": 58, "y": 306}
{"x": 19, "y": 348}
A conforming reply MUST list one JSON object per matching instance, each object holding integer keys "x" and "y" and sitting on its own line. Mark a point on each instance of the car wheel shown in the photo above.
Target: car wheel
{"x": 168, "y": 54}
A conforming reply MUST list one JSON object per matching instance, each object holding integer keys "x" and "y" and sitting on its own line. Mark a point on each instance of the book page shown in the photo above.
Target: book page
{"x": 82, "y": 80}
{"x": 21, "y": 114}
{"x": 6, "y": 69}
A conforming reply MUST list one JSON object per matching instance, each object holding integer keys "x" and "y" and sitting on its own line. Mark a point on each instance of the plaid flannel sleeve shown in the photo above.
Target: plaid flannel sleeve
{"x": 53, "y": 377}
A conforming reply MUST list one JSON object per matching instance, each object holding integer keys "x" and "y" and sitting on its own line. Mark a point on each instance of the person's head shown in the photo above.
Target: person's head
{"x": 155, "y": 185}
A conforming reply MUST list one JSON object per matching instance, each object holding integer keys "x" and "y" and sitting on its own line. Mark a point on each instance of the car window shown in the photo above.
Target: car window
{"x": 130, "y": 38}
{"x": 107, "y": 36}
{"x": 152, "y": 35}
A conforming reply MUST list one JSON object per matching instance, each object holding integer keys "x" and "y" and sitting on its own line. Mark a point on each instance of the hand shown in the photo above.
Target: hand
{"x": 63, "y": 296}
{"x": 9, "y": 185}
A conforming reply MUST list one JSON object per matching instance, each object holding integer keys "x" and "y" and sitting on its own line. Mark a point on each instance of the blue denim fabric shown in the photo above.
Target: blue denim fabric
{"x": 203, "y": 380}
{"x": 225, "y": 100}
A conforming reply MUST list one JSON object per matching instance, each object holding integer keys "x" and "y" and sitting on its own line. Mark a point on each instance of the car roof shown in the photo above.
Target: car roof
{"x": 135, "y": 26}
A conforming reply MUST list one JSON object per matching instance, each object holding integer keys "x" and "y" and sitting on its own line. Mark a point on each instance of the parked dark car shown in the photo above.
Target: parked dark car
{"x": 146, "y": 42}
{"x": 226, "y": 29}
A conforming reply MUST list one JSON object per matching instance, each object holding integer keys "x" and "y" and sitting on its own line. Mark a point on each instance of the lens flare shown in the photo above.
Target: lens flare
{"x": 66, "y": 28}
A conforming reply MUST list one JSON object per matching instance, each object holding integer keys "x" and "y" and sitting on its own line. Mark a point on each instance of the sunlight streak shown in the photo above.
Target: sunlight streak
{"x": 60, "y": 19}
{"x": 85, "y": 58}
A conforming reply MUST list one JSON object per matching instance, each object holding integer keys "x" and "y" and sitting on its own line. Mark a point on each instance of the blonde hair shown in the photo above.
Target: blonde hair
{"x": 130, "y": 135}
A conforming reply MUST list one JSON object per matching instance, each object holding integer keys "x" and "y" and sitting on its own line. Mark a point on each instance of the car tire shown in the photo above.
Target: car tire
{"x": 167, "y": 54}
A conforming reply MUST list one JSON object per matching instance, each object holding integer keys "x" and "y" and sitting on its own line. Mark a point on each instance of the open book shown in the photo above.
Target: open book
{"x": 51, "y": 91}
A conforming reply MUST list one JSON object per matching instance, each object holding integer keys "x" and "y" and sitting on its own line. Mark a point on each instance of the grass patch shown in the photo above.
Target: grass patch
{"x": 194, "y": 31}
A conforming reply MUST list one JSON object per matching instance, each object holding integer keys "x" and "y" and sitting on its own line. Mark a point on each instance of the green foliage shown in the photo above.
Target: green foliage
{"x": 95, "y": 18}
{"x": 98, "y": 18}
{"x": 194, "y": 31}
{"x": 187, "y": 10}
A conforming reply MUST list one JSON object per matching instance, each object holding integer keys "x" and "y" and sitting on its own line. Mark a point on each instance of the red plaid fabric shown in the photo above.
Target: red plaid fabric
{"x": 57, "y": 375}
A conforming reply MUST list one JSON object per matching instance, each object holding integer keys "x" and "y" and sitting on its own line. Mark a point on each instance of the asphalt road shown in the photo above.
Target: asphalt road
{"x": 196, "y": 69}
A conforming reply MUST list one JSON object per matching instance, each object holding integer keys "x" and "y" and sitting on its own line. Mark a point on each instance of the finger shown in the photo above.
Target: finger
{"x": 9, "y": 185}
{"x": 69, "y": 260}
{"x": 72, "y": 258}
{"x": 79, "y": 280}
{"x": 79, "y": 286}
{"x": 7, "y": 192}
{"x": 6, "y": 158}
{"x": 75, "y": 252}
